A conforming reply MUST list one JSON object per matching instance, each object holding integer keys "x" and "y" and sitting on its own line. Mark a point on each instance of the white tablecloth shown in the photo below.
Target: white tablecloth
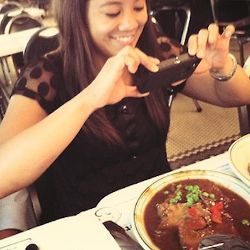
{"x": 15, "y": 42}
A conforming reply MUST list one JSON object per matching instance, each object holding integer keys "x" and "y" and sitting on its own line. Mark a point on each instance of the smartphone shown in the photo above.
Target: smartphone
{"x": 170, "y": 70}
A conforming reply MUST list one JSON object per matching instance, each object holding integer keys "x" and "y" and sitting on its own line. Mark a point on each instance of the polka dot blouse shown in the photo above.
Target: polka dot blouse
{"x": 39, "y": 81}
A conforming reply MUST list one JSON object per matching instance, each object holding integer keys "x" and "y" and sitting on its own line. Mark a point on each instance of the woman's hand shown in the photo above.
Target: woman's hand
{"x": 211, "y": 46}
{"x": 114, "y": 81}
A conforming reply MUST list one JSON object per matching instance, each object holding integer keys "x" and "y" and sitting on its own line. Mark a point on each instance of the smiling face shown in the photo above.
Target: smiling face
{"x": 114, "y": 24}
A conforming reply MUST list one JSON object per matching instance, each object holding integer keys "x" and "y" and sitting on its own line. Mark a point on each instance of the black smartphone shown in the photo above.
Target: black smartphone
{"x": 170, "y": 70}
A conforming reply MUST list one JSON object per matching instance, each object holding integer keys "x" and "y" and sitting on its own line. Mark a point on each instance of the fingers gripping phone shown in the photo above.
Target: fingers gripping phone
{"x": 170, "y": 71}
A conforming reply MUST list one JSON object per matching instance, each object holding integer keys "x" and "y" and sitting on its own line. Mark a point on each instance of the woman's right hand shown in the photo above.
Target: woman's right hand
{"x": 114, "y": 81}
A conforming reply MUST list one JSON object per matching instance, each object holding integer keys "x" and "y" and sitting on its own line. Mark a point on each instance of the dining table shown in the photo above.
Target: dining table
{"x": 86, "y": 229}
{"x": 11, "y": 44}
{"x": 15, "y": 42}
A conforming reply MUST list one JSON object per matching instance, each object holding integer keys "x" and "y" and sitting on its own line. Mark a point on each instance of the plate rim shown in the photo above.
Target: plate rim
{"x": 235, "y": 170}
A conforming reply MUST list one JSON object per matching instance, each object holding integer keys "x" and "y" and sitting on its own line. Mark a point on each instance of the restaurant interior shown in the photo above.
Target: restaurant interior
{"x": 28, "y": 30}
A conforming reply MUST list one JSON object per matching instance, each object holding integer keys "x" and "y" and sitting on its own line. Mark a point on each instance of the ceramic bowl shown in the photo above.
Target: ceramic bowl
{"x": 138, "y": 222}
{"x": 239, "y": 158}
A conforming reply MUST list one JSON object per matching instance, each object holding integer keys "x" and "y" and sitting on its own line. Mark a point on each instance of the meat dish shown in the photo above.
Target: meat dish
{"x": 183, "y": 212}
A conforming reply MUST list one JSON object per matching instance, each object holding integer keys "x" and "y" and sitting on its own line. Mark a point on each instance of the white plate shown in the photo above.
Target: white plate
{"x": 239, "y": 158}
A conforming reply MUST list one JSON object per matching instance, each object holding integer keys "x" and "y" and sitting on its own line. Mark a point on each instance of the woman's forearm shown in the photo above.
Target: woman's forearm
{"x": 233, "y": 92}
{"x": 236, "y": 91}
{"x": 28, "y": 154}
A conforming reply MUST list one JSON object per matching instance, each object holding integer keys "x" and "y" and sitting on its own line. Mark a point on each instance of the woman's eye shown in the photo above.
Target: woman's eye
{"x": 138, "y": 9}
{"x": 113, "y": 14}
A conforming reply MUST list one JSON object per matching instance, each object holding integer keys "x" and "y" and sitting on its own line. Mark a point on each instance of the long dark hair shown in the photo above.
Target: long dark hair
{"x": 77, "y": 49}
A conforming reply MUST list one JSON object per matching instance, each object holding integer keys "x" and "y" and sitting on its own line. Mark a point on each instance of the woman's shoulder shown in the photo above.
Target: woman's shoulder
{"x": 40, "y": 80}
{"x": 47, "y": 63}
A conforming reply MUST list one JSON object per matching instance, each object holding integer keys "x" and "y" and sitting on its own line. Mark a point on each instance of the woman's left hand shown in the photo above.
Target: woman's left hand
{"x": 211, "y": 46}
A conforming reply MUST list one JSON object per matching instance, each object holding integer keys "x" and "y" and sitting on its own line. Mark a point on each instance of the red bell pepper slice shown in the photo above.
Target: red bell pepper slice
{"x": 216, "y": 211}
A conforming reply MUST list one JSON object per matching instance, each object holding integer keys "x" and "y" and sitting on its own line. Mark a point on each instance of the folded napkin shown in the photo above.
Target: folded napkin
{"x": 80, "y": 232}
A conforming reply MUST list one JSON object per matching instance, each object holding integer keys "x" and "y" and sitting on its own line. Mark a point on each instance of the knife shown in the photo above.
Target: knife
{"x": 122, "y": 238}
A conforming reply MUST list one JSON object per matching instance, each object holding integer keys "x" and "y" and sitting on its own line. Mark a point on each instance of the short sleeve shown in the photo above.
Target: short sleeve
{"x": 38, "y": 81}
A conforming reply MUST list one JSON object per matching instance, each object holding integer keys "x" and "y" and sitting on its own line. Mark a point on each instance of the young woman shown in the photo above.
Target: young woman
{"x": 73, "y": 122}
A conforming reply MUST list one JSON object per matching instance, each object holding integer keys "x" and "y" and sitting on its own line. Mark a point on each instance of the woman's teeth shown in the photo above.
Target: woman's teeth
{"x": 124, "y": 38}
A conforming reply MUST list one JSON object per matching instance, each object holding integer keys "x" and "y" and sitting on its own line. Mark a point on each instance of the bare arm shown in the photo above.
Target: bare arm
{"x": 28, "y": 154}
{"x": 234, "y": 92}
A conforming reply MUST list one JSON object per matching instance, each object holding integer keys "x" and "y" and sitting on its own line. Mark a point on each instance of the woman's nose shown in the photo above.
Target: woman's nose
{"x": 128, "y": 22}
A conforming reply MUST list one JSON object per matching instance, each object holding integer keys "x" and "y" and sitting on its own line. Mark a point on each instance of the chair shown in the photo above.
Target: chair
{"x": 21, "y": 22}
{"x": 4, "y": 100}
{"x": 14, "y": 21}
{"x": 42, "y": 42}
{"x": 175, "y": 9}
{"x": 2, "y": 108}
{"x": 6, "y": 7}
{"x": 10, "y": 6}
{"x": 179, "y": 12}
{"x": 236, "y": 12}
{"x": 244, "y": 111}
{"x": 6, "y": 18}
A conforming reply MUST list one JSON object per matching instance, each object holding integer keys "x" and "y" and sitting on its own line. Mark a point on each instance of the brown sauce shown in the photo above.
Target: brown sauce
{"x": 236, "y": 207}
